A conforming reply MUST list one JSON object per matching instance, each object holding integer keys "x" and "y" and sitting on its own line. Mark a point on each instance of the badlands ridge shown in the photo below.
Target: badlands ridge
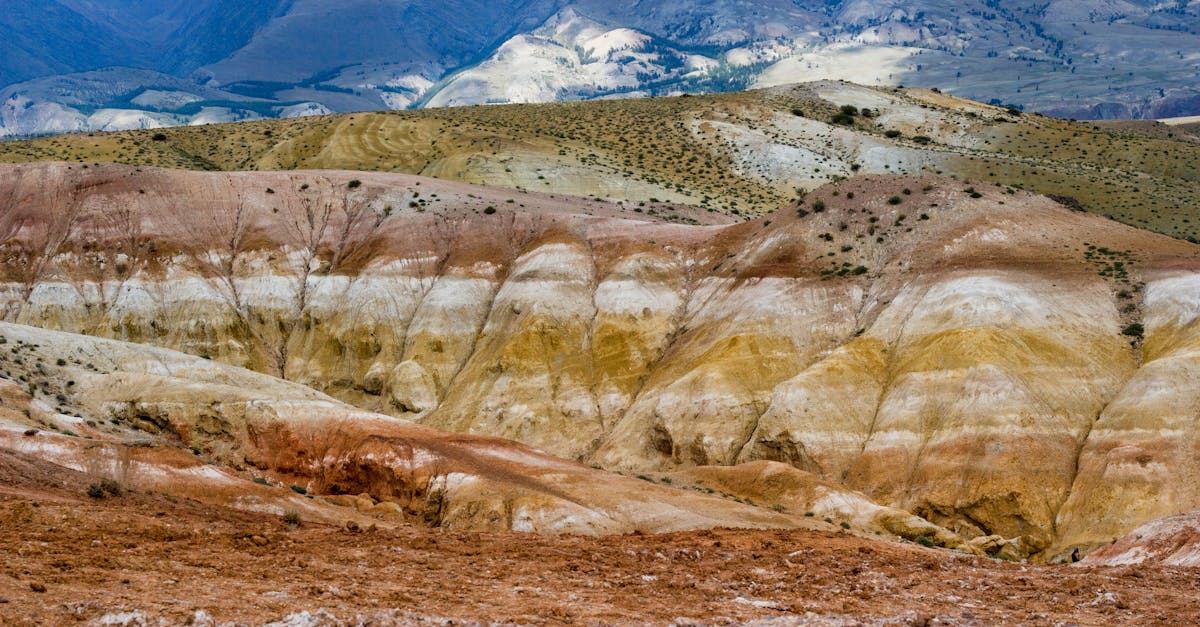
{"x": 971, "y": 366}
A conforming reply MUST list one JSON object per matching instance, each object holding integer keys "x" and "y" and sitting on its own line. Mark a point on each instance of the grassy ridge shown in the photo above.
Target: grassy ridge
{"x": 663, "y": 147}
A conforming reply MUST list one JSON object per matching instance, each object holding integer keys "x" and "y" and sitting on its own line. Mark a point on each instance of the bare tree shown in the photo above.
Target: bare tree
{"x": 36, "y": 237}
{"x": 109, "y": 251}
{"x": 360, "y": 221}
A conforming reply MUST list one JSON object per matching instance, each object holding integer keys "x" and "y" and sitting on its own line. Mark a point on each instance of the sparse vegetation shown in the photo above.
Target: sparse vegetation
{"x": 649, "y": 141}
{"x": 1134, "y": 330}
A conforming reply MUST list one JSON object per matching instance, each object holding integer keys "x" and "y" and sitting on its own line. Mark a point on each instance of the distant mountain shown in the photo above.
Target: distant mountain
{"x": 1076, "y": 58}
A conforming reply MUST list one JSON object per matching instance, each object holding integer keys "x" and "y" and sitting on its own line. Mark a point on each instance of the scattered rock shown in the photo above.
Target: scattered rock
{"x": 341, "y": 500}
{"x": 990, "y": 545}
{"x": 387, "y": 511}
{"x": 259, "y": 540}
{"x": 37, "y": 586}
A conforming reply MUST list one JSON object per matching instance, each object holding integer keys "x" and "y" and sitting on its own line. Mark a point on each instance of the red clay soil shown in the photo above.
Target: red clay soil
{"x": 66, "y": 558}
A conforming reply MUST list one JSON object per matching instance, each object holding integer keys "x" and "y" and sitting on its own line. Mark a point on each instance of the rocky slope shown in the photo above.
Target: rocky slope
{"x": 146, "y": 558}
{"x": 150, "y": 419}
{"x": 989, "y": 360}
{"x": 1170, "y": 541}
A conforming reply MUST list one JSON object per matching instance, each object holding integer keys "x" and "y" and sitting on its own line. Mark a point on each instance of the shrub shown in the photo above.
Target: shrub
{"x": 922, "y": 139}
{"x": 849, "y": 110}
{"x": 895, "y": 200}
{"x": 489, "y": 211}
{"x": 262, "y": 481}
{"x": 809, "y": 514}
{"x": 292, "y": 519}
{"x": 159, "y": 137}
{"x": 818, "y": 206}
{"x": 892, "y": 134}
{"x": 924, "y": 541}
{"x": 843, "y": 119}
{"x": 299, "y": 489}
{"x": 860, "y": 270}
{"x": 1134, "y": 330}
{"x": 845, "y": 525}
{"x": 61, "y": 362}
{"x": 110, "y": 486}
{"x": 95, "y": 491}
{"x": 355, "y": 184}
{"x": 801, "y": 212}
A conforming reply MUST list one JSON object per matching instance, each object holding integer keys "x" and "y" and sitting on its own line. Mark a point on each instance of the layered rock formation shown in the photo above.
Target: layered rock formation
{"x": 1170, "y": 541}
{"x": 150, "y": 418}
{"x": 986, "y": 359}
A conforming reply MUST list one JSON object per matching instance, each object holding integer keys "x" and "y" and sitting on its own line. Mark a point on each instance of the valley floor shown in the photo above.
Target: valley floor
{"x": 146, "y": 559}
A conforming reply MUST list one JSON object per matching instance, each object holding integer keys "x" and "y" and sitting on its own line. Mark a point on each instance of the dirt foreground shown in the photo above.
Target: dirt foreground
{"x": 149, "y": 559}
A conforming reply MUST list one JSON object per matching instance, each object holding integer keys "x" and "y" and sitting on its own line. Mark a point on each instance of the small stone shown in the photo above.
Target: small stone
{"x": 37, "y": 586}
{"x": 259, "y": 541}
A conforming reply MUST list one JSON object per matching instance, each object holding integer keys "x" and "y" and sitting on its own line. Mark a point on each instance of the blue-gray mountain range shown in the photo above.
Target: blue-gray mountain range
{"x": 73, "y": 65}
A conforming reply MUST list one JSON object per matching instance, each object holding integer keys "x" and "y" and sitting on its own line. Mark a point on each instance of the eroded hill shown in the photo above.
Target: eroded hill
{"x": 740, "y": 154}
{"x": 990, "y": 360}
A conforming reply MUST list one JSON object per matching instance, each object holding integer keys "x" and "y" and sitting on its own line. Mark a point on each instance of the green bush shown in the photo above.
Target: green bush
{"x": 1134, "y": 330}
{"x": 843, "y": 119}
{"x": 111, "y": 487}
{"x": 95, "y": 491}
